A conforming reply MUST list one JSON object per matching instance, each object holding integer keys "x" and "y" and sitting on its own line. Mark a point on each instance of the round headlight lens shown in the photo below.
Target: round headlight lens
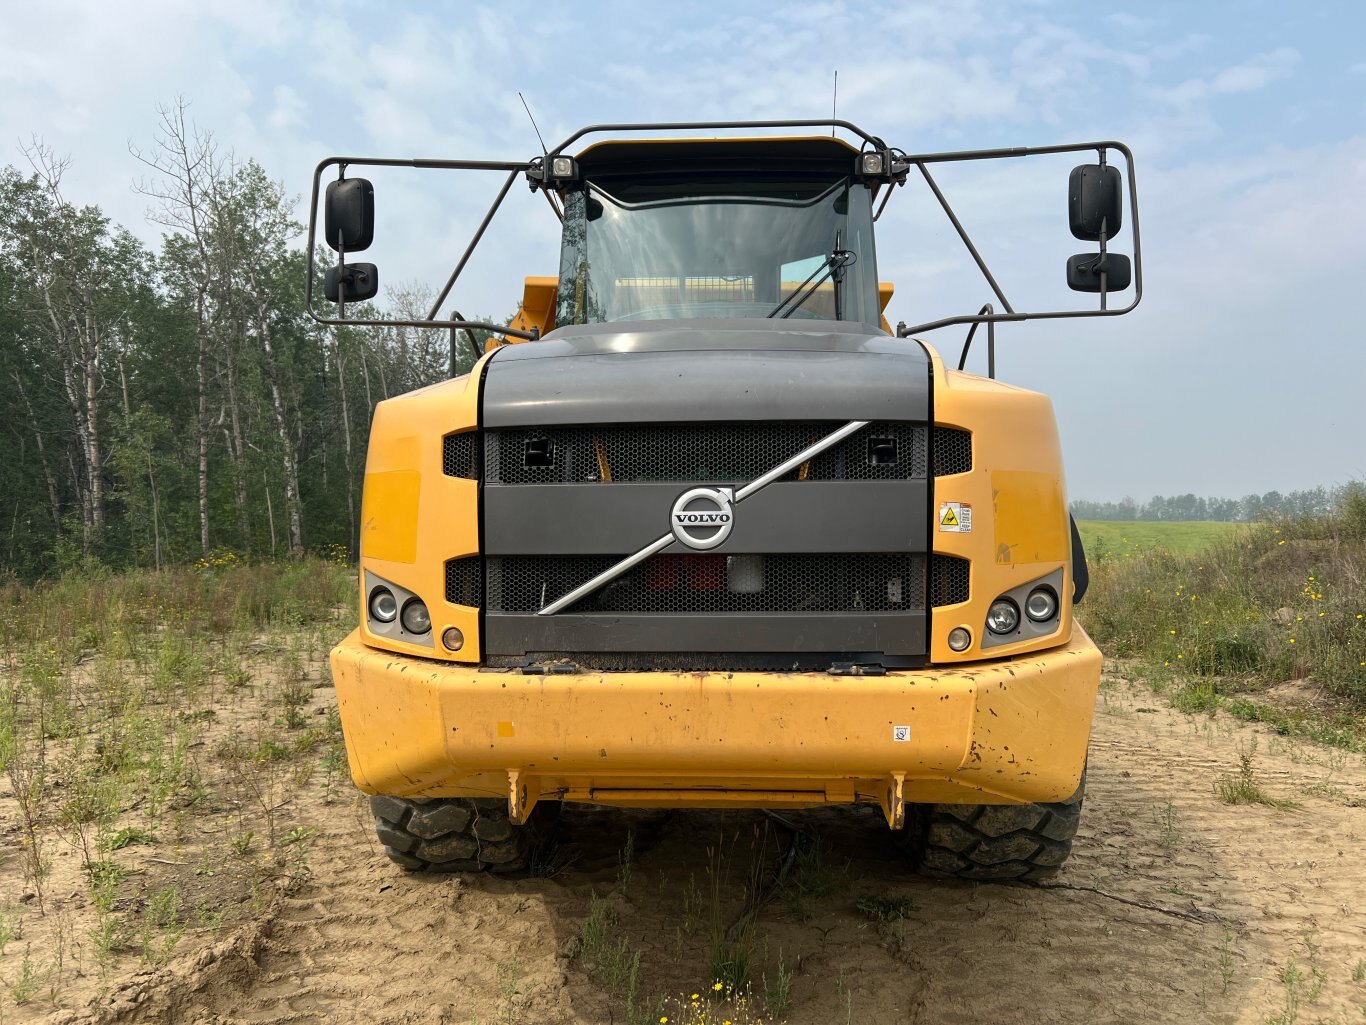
{"x": 453, "y": 639}
{"x": 1041, "y": 605}
{"x": 416, "y": 619}
{"x": 1003, "y": 617}
{"x": 959, "y": 639}
{"x": 383, "y": 605}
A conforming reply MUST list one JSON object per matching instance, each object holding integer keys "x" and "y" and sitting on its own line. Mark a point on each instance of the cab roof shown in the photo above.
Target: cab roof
{"x": 809, "y": 153}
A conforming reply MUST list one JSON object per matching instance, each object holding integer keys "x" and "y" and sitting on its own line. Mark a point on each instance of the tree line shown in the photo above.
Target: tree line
{"x": 167, "y": 403}
{"x": 1248, "y": 509}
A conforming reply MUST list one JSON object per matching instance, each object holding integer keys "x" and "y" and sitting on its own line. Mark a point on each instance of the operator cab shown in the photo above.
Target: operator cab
{"x": 737, "y": 229}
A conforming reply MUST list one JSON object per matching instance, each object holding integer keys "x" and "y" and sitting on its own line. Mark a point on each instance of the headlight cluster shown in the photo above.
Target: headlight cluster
{"x": 1040, "y": 606}
{"x": 398, "y": 613}
{"x": 1027, "y": 612}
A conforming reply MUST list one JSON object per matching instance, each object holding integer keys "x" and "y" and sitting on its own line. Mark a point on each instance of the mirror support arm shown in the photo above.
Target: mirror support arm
{"x": 963, "y": 234}
{"x": 469, "y": 249}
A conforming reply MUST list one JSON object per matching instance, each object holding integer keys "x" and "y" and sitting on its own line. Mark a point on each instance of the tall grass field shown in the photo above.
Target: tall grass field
{"x": 1221, "y": 614}
{"x": 1105, "y": 539}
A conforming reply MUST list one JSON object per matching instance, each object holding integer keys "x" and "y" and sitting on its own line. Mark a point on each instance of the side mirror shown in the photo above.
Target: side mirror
{"x": 361, "y": 281}
{"x": 1084, "y": 270}
{"x": 1095, "y": 201}
{"x": 350, "y": 215}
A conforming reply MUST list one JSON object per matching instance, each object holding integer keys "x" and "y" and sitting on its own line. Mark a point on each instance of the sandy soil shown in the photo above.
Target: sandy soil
{"x": 1176, "y": 907}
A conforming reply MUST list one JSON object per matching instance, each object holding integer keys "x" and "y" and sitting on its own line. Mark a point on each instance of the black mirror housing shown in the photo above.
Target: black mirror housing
{"x": 361, "y": 281}
{"x": 350, "y": 215}
{"x": 1083, "y": 272}
{"x": 1095, "y": 201}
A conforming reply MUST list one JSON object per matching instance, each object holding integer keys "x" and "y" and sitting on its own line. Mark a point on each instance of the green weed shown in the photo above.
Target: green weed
{"x": 1244, "y": 788}
{"x": 1169, "y": 831}
{"x": 885, "y": 909}
{"x": 778, "y": 995}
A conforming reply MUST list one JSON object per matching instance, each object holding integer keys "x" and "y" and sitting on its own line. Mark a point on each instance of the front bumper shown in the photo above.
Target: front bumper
{"x": 988, "y": 733}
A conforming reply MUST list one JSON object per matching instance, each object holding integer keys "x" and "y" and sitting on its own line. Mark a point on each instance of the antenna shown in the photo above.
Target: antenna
{"x": 833, "y": 100}
{"x": 533, "y": 122}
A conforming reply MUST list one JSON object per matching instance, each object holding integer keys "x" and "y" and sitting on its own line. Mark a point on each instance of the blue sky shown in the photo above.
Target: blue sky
{"x": 1244, "y": 369}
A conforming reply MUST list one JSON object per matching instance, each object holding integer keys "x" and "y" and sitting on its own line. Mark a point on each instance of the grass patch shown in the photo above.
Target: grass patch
{"x": 1221, "y": 616}
{"x": 1243, "y": 788}
{"x": 885, "y": 909}
{"x": 1119, "y": 539}
{"x": 129, "y": 719}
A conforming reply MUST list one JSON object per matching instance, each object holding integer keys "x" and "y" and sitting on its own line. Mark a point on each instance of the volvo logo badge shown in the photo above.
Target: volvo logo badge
{"x": 703, "y": 517}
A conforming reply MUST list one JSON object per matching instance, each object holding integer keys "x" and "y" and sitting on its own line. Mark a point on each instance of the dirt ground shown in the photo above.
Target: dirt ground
{"x": 1176, "y": 907}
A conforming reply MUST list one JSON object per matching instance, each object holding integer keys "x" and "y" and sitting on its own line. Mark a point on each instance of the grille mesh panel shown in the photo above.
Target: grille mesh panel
{"x": 952, "y": 451}
{"x": 879, "y": 582}
{"x": 465, "y": 581}
{"x": 458, "y": 455}
{"x": 950, "y": 577}
{"x": 703, "y": 453}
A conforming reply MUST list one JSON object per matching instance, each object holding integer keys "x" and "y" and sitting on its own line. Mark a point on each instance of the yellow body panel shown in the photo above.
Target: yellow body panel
{"x": 993, "y": 732}
{"x": 414, "y": 517}
{"x": 1015, "y": 488}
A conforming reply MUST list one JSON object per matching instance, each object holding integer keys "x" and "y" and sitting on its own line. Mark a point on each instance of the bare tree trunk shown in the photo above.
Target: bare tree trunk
{"x": 156, "y": 515}
{"x": 188, "y": 162}
{"x": 288, "y": 457}
{"x": 91, "y": 369}
{"x": 270, "y": 515}
{"x": 236, "y": 449}
{"x": 53, "y": 501}
{"x": 202, "y": 432}
{"x": 79, "y": 480}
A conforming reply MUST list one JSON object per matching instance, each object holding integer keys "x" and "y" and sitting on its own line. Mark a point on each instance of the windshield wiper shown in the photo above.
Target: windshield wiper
{"x": 832, "y": 267}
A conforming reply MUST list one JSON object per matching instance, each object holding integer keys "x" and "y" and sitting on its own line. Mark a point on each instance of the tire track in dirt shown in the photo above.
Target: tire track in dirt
{"x": 1230, "y": 894}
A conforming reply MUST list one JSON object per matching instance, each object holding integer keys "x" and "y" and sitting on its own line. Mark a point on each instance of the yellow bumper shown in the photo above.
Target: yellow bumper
{"x": 989, "y": 733}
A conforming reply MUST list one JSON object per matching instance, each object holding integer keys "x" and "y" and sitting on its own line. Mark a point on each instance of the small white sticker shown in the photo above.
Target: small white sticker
{"x": 901, "y": 734}
{"x": 955, "y": 517}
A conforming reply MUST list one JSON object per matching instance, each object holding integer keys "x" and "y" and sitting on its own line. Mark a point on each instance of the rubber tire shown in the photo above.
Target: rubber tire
{"x": 995, "y": 842}
{"x": 450, "y": 834}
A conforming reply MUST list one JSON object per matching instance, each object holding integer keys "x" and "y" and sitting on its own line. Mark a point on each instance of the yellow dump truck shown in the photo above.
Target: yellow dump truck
{"x": 700, "y": 529}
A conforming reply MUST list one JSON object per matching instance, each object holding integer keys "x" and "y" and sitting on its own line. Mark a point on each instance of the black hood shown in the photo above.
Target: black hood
{"x": 712, "y": 370}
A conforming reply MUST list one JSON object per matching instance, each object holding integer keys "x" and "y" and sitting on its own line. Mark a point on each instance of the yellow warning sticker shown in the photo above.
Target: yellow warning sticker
{"x": 955, "y": 517}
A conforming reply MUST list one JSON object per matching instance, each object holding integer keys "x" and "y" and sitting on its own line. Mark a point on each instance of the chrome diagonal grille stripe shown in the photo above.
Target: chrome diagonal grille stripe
{"x": 659, "y": 544}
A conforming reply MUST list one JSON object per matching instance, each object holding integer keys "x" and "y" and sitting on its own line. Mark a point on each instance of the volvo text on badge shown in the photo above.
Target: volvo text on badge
{"x": 703, "y": 517}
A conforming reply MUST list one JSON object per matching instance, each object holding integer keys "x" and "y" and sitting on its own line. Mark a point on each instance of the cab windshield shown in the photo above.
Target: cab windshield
{"x": 662, "y": 247}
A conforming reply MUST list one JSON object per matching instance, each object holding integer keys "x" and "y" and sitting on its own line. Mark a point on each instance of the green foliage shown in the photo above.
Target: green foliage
{"x": 122, "y": 368}
{"x": 1266, "y": 604}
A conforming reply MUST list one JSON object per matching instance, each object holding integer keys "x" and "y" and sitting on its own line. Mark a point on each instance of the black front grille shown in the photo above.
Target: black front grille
{"x": 950, "y": 578}
{"x": 701, "y": 453}
{"x": 878, "y": 582}
{"x": 952, "y": 451}
{"x": 465, "y": 581}
{"x": 459, "y": 455}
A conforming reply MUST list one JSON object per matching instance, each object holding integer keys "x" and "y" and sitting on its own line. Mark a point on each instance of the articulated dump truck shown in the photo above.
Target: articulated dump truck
{"x": 701, "y": 529}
